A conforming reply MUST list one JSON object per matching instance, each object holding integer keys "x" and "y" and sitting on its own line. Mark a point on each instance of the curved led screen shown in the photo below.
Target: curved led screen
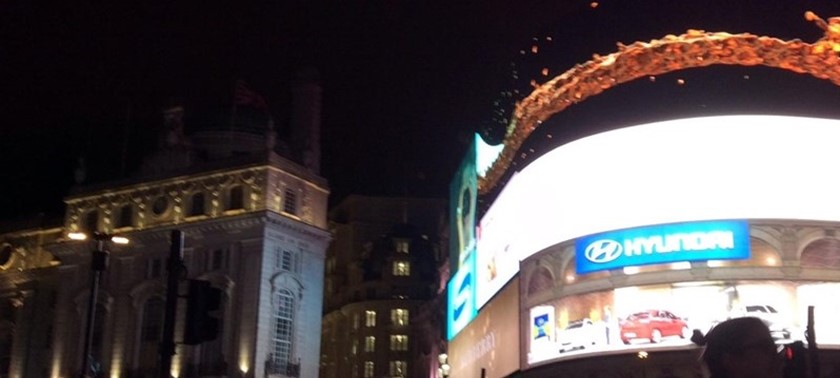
{"x": 727, "y": 167}
{"x": 711, "y": 168}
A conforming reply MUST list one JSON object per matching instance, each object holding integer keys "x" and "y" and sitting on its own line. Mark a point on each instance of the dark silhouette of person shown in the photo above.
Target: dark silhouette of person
{"x": 740, "y": 348}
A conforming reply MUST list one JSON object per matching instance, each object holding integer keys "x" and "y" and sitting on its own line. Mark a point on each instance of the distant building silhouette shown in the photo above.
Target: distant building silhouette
{"x": 381, "y": 277}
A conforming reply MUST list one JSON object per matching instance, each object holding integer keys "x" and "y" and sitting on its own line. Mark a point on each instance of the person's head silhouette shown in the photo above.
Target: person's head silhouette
{"x": 741, "y": 348}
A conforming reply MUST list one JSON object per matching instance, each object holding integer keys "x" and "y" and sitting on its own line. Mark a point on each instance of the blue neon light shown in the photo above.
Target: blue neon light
{"x": 696, "y": 241}
{"x": 460, "y": 298}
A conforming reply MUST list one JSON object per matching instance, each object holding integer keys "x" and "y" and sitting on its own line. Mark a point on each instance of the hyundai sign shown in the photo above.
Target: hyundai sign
{"x": 460, "y": 297}
{"x": 714, "y": 240}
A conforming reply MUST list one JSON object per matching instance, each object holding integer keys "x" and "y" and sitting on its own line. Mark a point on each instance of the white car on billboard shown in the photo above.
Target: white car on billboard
{"x": 767, "y": 313}
{"x": 579, "y": 334}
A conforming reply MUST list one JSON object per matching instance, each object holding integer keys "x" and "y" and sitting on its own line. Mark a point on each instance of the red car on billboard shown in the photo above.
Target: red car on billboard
{"x": 653, "y": 325}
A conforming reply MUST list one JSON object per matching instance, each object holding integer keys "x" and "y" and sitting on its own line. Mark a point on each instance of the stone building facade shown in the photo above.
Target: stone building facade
{"x": 255, "y": 225}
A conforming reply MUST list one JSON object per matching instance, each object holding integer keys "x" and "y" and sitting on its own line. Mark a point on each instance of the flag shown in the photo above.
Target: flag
{"x": 242, "y": 95}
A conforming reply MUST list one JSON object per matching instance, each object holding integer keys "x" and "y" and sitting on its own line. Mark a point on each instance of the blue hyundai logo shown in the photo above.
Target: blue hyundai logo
{"x": 603, "y": 251}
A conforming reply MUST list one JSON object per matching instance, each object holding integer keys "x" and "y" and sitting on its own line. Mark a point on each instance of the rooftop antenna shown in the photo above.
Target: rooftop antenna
{"x": 124, "y": 154}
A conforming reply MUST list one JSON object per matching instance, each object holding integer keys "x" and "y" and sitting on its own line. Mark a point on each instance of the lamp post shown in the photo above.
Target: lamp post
{"x": 98, "y": 264}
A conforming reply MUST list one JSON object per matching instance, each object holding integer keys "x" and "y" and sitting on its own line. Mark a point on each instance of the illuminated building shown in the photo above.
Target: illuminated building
{"x": 616, "y": 244}
{"x": 254, "y": 216}
{"x": 381, "y": 279}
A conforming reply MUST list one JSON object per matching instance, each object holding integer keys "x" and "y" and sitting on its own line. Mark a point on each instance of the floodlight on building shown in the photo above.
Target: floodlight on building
{"x": 119, "y": 239}
{"x": 77, "y": 236}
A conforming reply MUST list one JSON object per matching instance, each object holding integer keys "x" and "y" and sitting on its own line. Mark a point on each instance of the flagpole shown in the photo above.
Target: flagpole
{"x": 232, "y": 113}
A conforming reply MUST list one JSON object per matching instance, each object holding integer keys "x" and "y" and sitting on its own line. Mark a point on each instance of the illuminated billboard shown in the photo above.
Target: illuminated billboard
{"x": 662, "y": 317}
{"x": 491, "y": 341}
{"x": 677, "y": 171}
{"x": 695, "y": 241}
{"x": 695, "y": 169}
{"x": 463, "y": 192}
{"x": 460, "y": 298}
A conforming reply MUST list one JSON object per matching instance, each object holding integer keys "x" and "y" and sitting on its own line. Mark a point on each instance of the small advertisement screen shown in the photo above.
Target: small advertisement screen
{"x": 491, "y": 341}
{"x": 694, "y": 241}
{"x": 460, "y": 298}
{"x": 463, "y": 192}
{"x": 664, "y": 316}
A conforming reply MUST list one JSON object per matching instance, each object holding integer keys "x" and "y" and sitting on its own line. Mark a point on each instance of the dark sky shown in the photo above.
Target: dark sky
{"x": 405, "y": 81}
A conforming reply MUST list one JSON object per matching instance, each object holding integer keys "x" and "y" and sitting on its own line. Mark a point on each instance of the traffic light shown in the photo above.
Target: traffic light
{"x": 796, "y": 360}
{"x": 202, "y": 324}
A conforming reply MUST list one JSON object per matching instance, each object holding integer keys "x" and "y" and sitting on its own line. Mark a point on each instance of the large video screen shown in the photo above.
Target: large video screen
{"x": 664, "y": 316}
{"x": 696, "y": 169}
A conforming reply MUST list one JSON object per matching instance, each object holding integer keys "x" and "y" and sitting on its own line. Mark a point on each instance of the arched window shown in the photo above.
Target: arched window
{"x": 540, "y": 280}
{"x": 197, "y": 204}
{"x": 823, "y": 253}
{"x": 235, "y": 198}
{"x": 151, "y": 330}
{"x": 284, "y": 318}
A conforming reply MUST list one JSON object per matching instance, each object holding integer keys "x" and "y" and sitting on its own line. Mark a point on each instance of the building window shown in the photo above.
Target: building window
{"x": 355, "y": 320}
{"x": 370, "y": 344}
{"x": 197, "y": 204}
{"x": 235, "y": 198}
{"x": 290, "y": 204}
{"x": 398, "y": 368}
{"x": 401, "y": 246}
{"x": 160, "y": 206}
{"x": 283, "y": 330}
{"x": 219, "y": 260}
{"x": 330, "y": 265}
{"x": 402, "y": 268}
{"x": 150, "y": 333}
{"x": 368, "y": 369}
{"x": 370, "y": 318}
{"x": 328, "y": 285}
{"x": 91, "y": 224}
{"x": 399, "y": 343}
{"x": 355, "y": 347}
{"x": 286, "y": 261}
{"x": 399, "y": 316}
{"x": 126, "y": 216}
{"x": 153, "y": 268}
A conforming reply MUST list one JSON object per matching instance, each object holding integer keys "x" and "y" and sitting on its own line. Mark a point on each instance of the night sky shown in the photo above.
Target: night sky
{"x": 405, "y": 82}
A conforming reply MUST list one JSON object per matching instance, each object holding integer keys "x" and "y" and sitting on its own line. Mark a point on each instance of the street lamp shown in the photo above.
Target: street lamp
{"x": 443, "y": 370}
{"x": 98, "y": 264}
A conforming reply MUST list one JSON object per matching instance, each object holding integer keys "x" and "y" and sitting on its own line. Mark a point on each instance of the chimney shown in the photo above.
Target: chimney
{"x": 306, "y": 118}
